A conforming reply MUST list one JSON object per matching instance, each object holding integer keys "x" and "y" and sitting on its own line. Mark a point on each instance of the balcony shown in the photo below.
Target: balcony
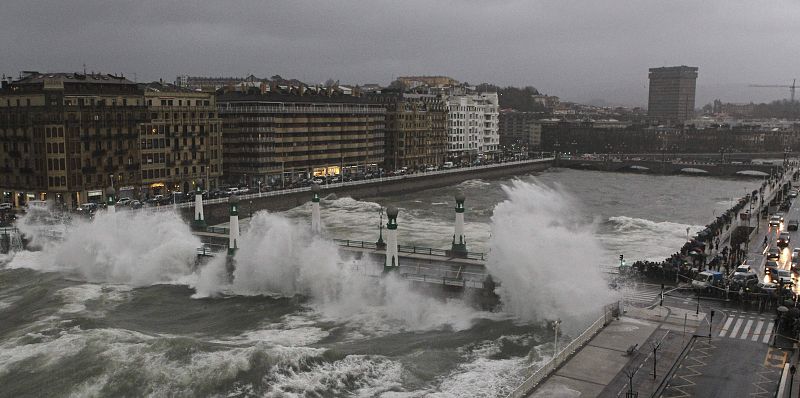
{"x": 98, "y": 152}
{"x": 89, "y": 169}
{"x": 132, "y": 166}
{"x": 26, "y": 170}
{"x": 120, "y": 152}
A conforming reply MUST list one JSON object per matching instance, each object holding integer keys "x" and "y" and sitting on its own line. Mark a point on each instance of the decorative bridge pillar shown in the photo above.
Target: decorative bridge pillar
{"x": 459, "y": 248}
{"x": 233, "y": 227}
{"x": 391, "y": 240}
{"x": 199, "y": 221}
{"x": 111, "y": 200}
{"x": 316, "y": 220}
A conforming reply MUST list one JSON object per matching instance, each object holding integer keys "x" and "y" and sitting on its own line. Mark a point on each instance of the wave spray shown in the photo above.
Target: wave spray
{"x": 546, "y": 256}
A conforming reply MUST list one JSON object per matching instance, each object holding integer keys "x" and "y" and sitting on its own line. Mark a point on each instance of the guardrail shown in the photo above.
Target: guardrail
{"x": 408, "y": 249}
{"x": 609, "y": 312}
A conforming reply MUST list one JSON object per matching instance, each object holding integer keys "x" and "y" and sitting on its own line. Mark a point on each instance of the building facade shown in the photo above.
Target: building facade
{"x": 519, "y": 132}
{"x": 277, "y": 139}
{"x": 672, "y": 93}
{"x": 181, "y": 143}
{"x": 416, "y": 130}
{"x": 431, "y": 81}
{"x": 473, "y": 126}
{"x": 66, "y": 137}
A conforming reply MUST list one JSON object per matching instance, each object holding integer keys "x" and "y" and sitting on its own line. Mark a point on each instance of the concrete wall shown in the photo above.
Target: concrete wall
{"x": 218, "y": 213}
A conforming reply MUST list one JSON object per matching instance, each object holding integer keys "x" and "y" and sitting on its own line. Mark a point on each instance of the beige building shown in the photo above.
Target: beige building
{"x": 278, "y": 138}
{"x": 416, "y": 130}
{"x": 181, "y": 144}
{"x": 66, "y": 137}
{"x": 432, "y": 81}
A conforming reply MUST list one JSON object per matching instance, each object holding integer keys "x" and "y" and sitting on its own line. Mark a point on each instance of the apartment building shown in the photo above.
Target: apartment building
{"x": 519, "y": 132}
{"x": 416, "y": 129}
{"x": 473, "y": 126}
{"x": 181, "y": 143}
{"x": 66, "y": 137}
{"x": 278, "y": 138}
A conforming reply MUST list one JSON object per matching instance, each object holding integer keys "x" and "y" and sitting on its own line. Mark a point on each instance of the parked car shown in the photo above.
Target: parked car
{"x": 793, "y": 193}
{"x": 792, "y": 225}
{"x": 5, "y": 206}
{"x": 123, "y": 201}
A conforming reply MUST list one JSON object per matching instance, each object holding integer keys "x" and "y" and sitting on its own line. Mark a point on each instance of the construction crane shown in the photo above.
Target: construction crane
{"x": 791, "y": 88}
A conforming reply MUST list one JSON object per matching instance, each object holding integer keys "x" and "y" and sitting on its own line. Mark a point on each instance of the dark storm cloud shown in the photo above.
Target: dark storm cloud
{"x": 580, "y": 50}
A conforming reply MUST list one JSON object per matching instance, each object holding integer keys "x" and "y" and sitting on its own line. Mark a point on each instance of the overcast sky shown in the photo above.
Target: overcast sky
{"x": 578, "y": 50}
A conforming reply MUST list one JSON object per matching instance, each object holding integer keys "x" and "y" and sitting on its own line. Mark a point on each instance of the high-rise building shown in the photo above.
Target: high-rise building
{"x": 473, "y": 127}
{"x": 278, "y": 138}
{"x": 672, "y": 91}
{"x": 181, "y": 143}
{"x": 67, "y": 137}
{"x": 416, "y": 129}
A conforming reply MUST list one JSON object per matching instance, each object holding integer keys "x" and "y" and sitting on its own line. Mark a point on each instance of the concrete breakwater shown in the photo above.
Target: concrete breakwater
{"x": 216, "y": 210}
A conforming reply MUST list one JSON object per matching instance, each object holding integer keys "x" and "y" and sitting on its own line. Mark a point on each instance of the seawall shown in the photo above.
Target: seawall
{"x": 216, "y": 211}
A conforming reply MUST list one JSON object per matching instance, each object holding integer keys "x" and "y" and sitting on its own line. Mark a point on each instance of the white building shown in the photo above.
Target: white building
{"x": 473, "y": 126}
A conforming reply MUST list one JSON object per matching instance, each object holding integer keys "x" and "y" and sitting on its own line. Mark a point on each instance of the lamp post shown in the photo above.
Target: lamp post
{"x": 556, "y": 323}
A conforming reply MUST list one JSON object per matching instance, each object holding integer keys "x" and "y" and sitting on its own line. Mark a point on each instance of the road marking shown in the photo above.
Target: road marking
{"x": 746, "y": 329}
{"x": 767, "y": 334}
{"x": 757, "y": 331}
{"x": 724, "y": 330}
{"x": 736, "y": 327}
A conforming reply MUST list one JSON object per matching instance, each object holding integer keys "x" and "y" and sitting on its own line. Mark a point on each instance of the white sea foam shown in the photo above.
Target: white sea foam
{"x": 545, "y": 257}
{"x": 278, "y": 256}
{"x": 356, "y": 375}
{"x": 137, "y": 249}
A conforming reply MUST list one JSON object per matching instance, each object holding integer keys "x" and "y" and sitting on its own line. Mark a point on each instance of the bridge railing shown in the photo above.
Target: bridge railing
{"x": 409, "y": 249}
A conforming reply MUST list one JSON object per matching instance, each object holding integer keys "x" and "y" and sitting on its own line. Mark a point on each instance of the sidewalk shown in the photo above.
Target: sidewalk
{"x": 598, "y": 369}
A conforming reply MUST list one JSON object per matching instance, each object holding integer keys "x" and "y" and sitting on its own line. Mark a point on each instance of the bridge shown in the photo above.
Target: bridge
{"x": 670, "y": 167}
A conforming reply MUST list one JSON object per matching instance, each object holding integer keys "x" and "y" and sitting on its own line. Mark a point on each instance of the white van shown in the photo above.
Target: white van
{"x": 448, "y": 165}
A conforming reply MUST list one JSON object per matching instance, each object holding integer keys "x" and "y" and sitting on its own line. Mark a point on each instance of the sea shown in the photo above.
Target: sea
{"x": 120, "y": 308}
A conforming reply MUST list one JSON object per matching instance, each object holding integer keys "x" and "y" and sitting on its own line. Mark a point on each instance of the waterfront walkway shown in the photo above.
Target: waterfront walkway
{"x": 602, "y": 367}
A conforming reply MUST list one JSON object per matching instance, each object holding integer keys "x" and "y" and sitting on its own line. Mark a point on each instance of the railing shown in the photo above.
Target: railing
{"x": 218, "y": 230}
{"x": 209, "y": 249}
{"x": 409, "y": 249}
{"x": 609, "y": 312}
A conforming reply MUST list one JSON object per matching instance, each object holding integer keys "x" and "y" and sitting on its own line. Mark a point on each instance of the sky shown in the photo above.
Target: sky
{"x": 585, "y": 51}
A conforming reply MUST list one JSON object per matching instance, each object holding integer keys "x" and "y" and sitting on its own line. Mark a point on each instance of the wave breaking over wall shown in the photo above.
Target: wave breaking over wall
{"x": 135, "y": 249}
{"x": 546, "y": 256}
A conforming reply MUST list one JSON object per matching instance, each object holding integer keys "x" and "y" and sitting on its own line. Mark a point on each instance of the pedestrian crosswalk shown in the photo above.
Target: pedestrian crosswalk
{"x": 642, "y": 294}
{"x": 747, "y": 326}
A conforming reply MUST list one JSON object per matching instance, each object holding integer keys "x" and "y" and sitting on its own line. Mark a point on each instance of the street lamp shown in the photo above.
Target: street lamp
{"x": 555, "y": 344}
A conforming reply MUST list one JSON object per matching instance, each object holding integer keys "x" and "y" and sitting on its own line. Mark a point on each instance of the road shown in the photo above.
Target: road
{"x": 735, "y": 354}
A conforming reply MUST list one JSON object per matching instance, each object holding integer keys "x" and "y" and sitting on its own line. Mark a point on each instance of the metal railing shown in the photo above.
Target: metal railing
{"x": 609, "y": 312}
{"x": 408, "y": 249}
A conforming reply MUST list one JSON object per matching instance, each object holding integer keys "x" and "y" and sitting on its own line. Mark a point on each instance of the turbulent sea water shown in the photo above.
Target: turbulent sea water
{"x": 119, "y": 309}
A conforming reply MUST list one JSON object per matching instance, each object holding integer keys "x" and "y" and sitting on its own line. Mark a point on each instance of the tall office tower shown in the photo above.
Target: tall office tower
{"x": 672, "y": 92}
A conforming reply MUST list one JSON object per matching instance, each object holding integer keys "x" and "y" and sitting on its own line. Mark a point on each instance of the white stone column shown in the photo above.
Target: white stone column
{"x": 199, "y": 221}
{"x": 233, "y": 231}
